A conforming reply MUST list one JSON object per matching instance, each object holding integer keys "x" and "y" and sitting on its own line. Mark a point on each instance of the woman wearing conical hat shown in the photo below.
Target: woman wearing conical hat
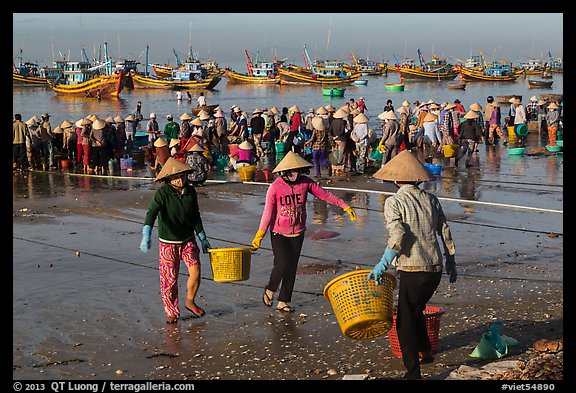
{"x": 285, "y": 215}
{"x": 175, "y": 205}
{"x": 337, "y": 131}
{"x": 320, "y": 143}
{"x": 295, "y": 121}
{"x": 361, "y": 139}
{"x": 470, "y": 134}
{"x": 69, "y": 140}
{"x": 494, "y": 125}
{"x": 552, "y": 123}
{"x": 481, "y": 123}
{"x": 244, "y": 156}
{"x": 390, "y": 131}
{"x": 431, "y": 136}
{"x": 414, "y": 218}
{"x": 199, "y": 164}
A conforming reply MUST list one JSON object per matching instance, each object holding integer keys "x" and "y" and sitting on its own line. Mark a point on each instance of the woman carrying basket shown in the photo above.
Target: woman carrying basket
{"x": 413, "y": 218}
{"x": 285, "y": 214}
{"x": 175, "y": 204}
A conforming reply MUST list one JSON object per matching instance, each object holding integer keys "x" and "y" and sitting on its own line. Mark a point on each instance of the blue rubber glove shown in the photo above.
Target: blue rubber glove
{"x": 451, "y": 268}
{"x": 380, "y": 268}
{"x": 205, "y": 244}
{"x": 145, "y": 243}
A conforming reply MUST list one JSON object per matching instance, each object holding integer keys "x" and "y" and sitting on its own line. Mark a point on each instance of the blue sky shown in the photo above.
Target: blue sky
{"x": 44, "y": 37}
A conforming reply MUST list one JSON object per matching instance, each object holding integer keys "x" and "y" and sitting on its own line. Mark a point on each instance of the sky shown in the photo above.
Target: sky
{"x": 44, "y": 37}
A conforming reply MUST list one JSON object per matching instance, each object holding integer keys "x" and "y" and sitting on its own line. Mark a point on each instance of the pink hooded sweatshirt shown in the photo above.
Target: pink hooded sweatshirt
{"x": 285, "y": 209}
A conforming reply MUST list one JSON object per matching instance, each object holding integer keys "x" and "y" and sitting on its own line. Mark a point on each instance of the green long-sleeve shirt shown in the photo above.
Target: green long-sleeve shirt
{"x": 178, "y": 214}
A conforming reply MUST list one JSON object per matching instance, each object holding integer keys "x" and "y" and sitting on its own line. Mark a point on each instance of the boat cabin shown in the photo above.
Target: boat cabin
{"x": 329, "y": 68}
{"x": 473, "y": 62}
{"x": 499, "y": 68}
{"x": 191, "y": 71}
{"x": 76, "y": 72}
{"x": 263, "y": 68}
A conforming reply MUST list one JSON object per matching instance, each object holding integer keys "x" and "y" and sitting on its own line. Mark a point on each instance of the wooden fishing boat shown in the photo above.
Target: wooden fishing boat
{"x": 258, "y": 72}
{"x": 457, "y": 85}
{"x": 143, "y": 82}
{"x": 333, "y": 92}
{"x": 235, "y": 77}
{"x": 367, "y": 67}
{"x": 534, "y": 83}
{"x": 287, "y": 75}
{"x": 361, "y": 82}
{"x": 435, "y": 69}
{"x": 552, "y": 97}
{"x": 78, "y": 78}
{"x": 486, "y": 75}
{"x": 28, "y": 80}
{"x": 26, "y": 73}
{"x": 505, "y": 100}
{"x": 206, "y": 108}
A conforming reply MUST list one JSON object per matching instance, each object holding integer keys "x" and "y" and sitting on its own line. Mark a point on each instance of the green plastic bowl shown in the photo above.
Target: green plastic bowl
{"x": 553, "y": 149}
{"x": 560, "y": 143}
{"x": 516, "y": 150}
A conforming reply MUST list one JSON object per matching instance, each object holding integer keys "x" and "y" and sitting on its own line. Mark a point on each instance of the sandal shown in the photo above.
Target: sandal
{"x": 267, "y": 299}
{"x": 285, "y": 308}
{"x": 198, "y": 312}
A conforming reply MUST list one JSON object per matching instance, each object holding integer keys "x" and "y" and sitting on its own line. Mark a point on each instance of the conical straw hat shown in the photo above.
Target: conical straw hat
{"x": 173, "y": 167}
{"x": 345, "y": 108}
{"x": 197, "y": 148}
{"x": 450, "y": 106}
{"x": 361, "y": 119}
{"x": 294, "y": 108}
{"x": 66, "y": 124}
{"x": 275, "y": 110}
{"x": 174, "y": 142}
{"x": 405, "y": 103}
{"x": 109, "y": 119}
{"x": 475, "y": 107}
{"x": 119, "y": 119}
{"x": 355, "y": 112}
{"x": 318, "y": 123}
{"x": 58, "y": 130}
{"x": 321, "y": 111}
{"x": 404, "y": 167}
{"x": 196, "y": 122}
{"x": 340, "y": 114}
{"x": 471, "y": 115}
{"x": 553, "y": 106}
{"x": 245, "y": 145}
{"x": 330, "y": 108}
{"x": 402, "y": 109}
{"x": 99, "y": 124}
{"x": 387, "y": 115}
{"x": 31, "y": 122}
{"x": 160, "y": 142}
{"x": 129, "y": 118}
{"x": 291, "y": 161}
{"x": 430, "y": 117}
{"x": 185, "y": 116}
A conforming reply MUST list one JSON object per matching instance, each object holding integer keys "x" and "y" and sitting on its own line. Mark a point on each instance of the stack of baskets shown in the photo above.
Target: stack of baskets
{"x": 362, "y": 308}
{"x": 230, "y": 264}
{"x": 432, "y": 316}
{"x": 247, "y": 173}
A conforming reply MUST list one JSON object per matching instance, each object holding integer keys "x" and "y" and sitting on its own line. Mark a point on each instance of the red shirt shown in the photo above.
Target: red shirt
{"x": 295, "y": 121}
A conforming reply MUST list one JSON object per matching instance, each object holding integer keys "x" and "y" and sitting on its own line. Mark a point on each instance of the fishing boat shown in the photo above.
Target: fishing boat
{"x": 143, "y": 82}
{"x": 26, "y": 73}
{"x": 318, "y": 72}
{"x": 535, "y": 83}
{"x": 333, "y": 92}
{"x": 367, "y": 67}
{"x": 206, "y": 108}
{"x": 497, "y": 71}
{"x": 258, "y": 72}
{"x": 505, "y": 100}
{"x": 435, "y": 69}
{"x": 361, "y": 82}
{"x": 78, "y": 78}
{"x": 457, "y": 85}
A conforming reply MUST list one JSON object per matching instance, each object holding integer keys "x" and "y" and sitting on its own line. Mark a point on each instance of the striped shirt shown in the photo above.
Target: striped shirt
{"x": 413, "y": 218}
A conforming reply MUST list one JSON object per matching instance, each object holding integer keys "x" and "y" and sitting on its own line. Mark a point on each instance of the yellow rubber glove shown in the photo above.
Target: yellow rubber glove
{"x": 257, "y": 239}
{"x": 351, "y": 213}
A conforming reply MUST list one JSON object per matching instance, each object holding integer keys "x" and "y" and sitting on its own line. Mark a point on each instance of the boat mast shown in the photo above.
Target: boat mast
{"x": 248, "y": 62}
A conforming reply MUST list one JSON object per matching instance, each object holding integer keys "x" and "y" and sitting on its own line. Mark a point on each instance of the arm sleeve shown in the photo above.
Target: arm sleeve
{"x": 443, "y": 229}
{"x": 394, "y": 224}
{"x": 319, "y": 192}
{"x": 269, "y": 209}
{"x": 153, "y": 209}
{"x": 196, "y": 213}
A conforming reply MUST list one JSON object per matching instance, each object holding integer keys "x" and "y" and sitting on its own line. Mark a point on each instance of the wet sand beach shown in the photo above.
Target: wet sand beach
{"x": 86, "y": 301}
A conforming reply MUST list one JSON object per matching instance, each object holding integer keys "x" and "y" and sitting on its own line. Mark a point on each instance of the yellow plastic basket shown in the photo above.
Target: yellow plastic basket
{"x": 247, "y": 173}
{"x": 363, "y": 309}
{"x": 230, "y": 264}
{"x": 450, "y": 150}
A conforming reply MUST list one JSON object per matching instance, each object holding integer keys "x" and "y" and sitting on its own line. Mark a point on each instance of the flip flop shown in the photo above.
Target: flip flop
{"x": 198, "y": 312}
{"x": 285, "y": 308}
{"x": 267, "y": 299}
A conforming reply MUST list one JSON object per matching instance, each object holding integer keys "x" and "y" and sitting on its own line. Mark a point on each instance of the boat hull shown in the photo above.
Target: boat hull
{"x": 333, "y": 92}
{"x": 21, "y": 80}
{"x": 395, "y": 87}
{"x": 468, "y": 75}
{"x": 415, "y": 74}
{"x": 102, "y": 86}
{"x": 308, "y": 78}
{"x": 142, "y": 82}
{"x": 457, "y": 86}
{"x": 234, "y": 77}
{"x": 539, "y": 84}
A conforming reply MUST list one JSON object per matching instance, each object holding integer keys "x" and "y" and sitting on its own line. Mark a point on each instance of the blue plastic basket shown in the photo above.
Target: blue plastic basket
{"x": 434, "y": 169}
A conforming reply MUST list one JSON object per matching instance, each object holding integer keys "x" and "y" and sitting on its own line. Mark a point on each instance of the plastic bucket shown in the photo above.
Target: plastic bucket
{"x": 362, "y": 308}
{"x": 432, "y": 316}
{"x": 230, "y": 264}
{"x": 280, "y": 147}
{"x": 450, "y": 150}
{"x": 126, "y": 163}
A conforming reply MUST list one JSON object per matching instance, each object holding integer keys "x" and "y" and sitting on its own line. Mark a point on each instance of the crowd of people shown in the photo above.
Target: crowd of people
{"x": 337, "y": 141}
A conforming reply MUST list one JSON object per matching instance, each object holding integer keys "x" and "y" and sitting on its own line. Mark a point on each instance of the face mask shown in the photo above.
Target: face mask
{"x": 178, "y": 182}
{"x": 291, "y": 176}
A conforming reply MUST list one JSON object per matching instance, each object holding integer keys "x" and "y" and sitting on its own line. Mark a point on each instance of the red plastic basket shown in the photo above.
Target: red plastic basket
{"x": 432, "y": 315}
